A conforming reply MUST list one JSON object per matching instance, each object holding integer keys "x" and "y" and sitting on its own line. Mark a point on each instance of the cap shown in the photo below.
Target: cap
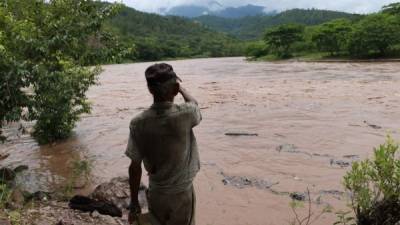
{"x": 160, "y": 73}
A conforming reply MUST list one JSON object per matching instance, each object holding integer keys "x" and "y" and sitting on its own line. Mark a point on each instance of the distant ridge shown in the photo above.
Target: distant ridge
{"x": 252, "y": 27}
{"x": 214, "y": 8}
{"x": 156, "y": 37}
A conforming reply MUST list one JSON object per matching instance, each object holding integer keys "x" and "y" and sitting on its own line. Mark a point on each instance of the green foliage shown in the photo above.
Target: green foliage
{"x": 5, "y": 193}
{"x": 15, "y": 217}
{"x": 256, "y": 49}
{"x": 375, "y": 186}
{"x": 281, "y": 38}
{"x": 370, "y": 36}
{"x": 45, "y": 47}
{"x": 374, "y": 35}
{"x": 162, "y": 37}
{"x": 81, "y": 170}
{"x": 393, "y": 9}
{"x": 332, "y": 36}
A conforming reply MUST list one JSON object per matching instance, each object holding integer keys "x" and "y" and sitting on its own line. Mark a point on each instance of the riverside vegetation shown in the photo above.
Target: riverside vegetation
{"x": 373, "y": 186}
{"x": 371, "y": 36}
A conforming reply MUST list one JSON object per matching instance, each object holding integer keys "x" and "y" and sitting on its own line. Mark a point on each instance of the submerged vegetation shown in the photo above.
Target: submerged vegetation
{"x": 371, "y": 36}
{"x": 45, "y": 50}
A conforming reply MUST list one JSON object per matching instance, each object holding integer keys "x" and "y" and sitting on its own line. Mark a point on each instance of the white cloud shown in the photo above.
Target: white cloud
{"x": 357, "y": 6}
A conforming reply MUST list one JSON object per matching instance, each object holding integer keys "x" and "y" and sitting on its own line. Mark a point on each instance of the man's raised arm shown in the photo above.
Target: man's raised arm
{"x": 185, "y": 94}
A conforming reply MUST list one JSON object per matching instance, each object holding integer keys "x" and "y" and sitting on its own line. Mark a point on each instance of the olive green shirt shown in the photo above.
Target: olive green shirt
{"x": 162, "y": 137}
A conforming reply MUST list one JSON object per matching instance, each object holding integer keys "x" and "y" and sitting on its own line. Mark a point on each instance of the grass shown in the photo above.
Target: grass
{"x": 5, "y": 193}
{"x": 81, "y": 169}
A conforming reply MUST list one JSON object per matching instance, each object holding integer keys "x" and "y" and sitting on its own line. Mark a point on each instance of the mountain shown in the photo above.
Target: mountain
{"x": 189, "y": 11}
{"x": 156, "y": 37}
{"x": 239, "y": 12}
{"x": 253, "y": 27}
{"x": 214, "y": 8}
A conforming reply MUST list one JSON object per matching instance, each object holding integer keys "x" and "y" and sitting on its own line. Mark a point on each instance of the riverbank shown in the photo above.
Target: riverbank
{"x": 325, "y": 58}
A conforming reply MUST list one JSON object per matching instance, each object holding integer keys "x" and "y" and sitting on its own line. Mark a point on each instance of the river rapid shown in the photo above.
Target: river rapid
{"x": 311, "y": 121}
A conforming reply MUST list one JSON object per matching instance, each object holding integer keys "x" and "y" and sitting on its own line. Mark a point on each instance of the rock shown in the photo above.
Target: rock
{"x": 64, "y": 222}
{"x": 80, "y": 183}
{"x": 55, "y": 212}
{"x": 39, "y": 196}
{"x": 353, "y": 157}
{"x": 287, "y": 148}
{"x": 297, "y": 178}
{"x": 117, "y": 192}
{"x": 334, "y": 193}
{"x": 7, "y": 175}
{"x": 108, "y": 219}
{"x": 340, "y": 163}
{"x": 322, "y": 155}
{"x": 95, "y": 214}
{"x": 5, "y": 222}
{"x": 31, "y": 182}
{"x": 87, "y": 204}
{"x": 242, "y": 182}
{"x": 241, "y": 134}
{"x": 20, "y": 168}
{"x": 373, "y": 125}
{"x": 16, "y": 199}
{"x": 298, "y": 196}
{"x": 4, "y": 156}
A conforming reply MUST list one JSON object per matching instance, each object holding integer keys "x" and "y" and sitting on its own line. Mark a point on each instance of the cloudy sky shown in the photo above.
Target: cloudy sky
{"x": 358, "y": 6}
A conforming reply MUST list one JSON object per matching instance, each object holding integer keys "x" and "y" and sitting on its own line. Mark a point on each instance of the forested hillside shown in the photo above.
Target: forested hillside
{"x": 156, "y": 37}
{"x": 374, "y": 35}
{"x": 253, "y": 27}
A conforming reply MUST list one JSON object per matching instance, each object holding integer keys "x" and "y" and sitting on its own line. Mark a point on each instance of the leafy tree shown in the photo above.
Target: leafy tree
{"x": 332, "y": 36}
{"x": 45, "y": 47}
{"x": 282, "y": 37}
{"x": 374, "y": 34}
{"x": 393, "y": 9}
{"x": 256, "y": 49}
{"x": 149, "y": 50}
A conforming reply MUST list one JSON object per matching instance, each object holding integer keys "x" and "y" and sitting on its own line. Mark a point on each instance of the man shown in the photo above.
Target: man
{"x": 162, "y": 137}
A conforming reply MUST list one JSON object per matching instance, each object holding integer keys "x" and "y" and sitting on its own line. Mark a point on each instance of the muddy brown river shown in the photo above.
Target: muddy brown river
{"x": 311, "y": 121}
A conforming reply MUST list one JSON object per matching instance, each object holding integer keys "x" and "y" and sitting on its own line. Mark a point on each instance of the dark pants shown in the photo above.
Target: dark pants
{"x": 173, "y": 209}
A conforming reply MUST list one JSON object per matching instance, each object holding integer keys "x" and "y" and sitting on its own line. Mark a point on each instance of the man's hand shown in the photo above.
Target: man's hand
{"x": 134, "y": 211}
{"x": 135, "y": 174}
{"x": 185, "y": 94}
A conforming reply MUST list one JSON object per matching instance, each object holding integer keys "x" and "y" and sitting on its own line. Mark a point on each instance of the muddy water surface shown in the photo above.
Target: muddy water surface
{"x": 312, "y": 119}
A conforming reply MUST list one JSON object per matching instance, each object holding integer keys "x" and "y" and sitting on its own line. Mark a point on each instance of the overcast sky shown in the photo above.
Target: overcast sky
{"x": 357, "y": 6}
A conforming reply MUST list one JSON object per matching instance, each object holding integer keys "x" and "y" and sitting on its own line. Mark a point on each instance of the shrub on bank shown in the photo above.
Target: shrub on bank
{"x": 374, "y": 185}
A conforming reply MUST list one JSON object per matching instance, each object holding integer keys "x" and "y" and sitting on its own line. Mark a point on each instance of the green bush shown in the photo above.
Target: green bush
{"x": 375, "y": 186}
{"x": 45, "y": 48}
{"x": 256, "y": 49}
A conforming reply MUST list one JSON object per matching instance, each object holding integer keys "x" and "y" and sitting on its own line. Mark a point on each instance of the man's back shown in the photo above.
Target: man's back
{"x": 165, "y": 142}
